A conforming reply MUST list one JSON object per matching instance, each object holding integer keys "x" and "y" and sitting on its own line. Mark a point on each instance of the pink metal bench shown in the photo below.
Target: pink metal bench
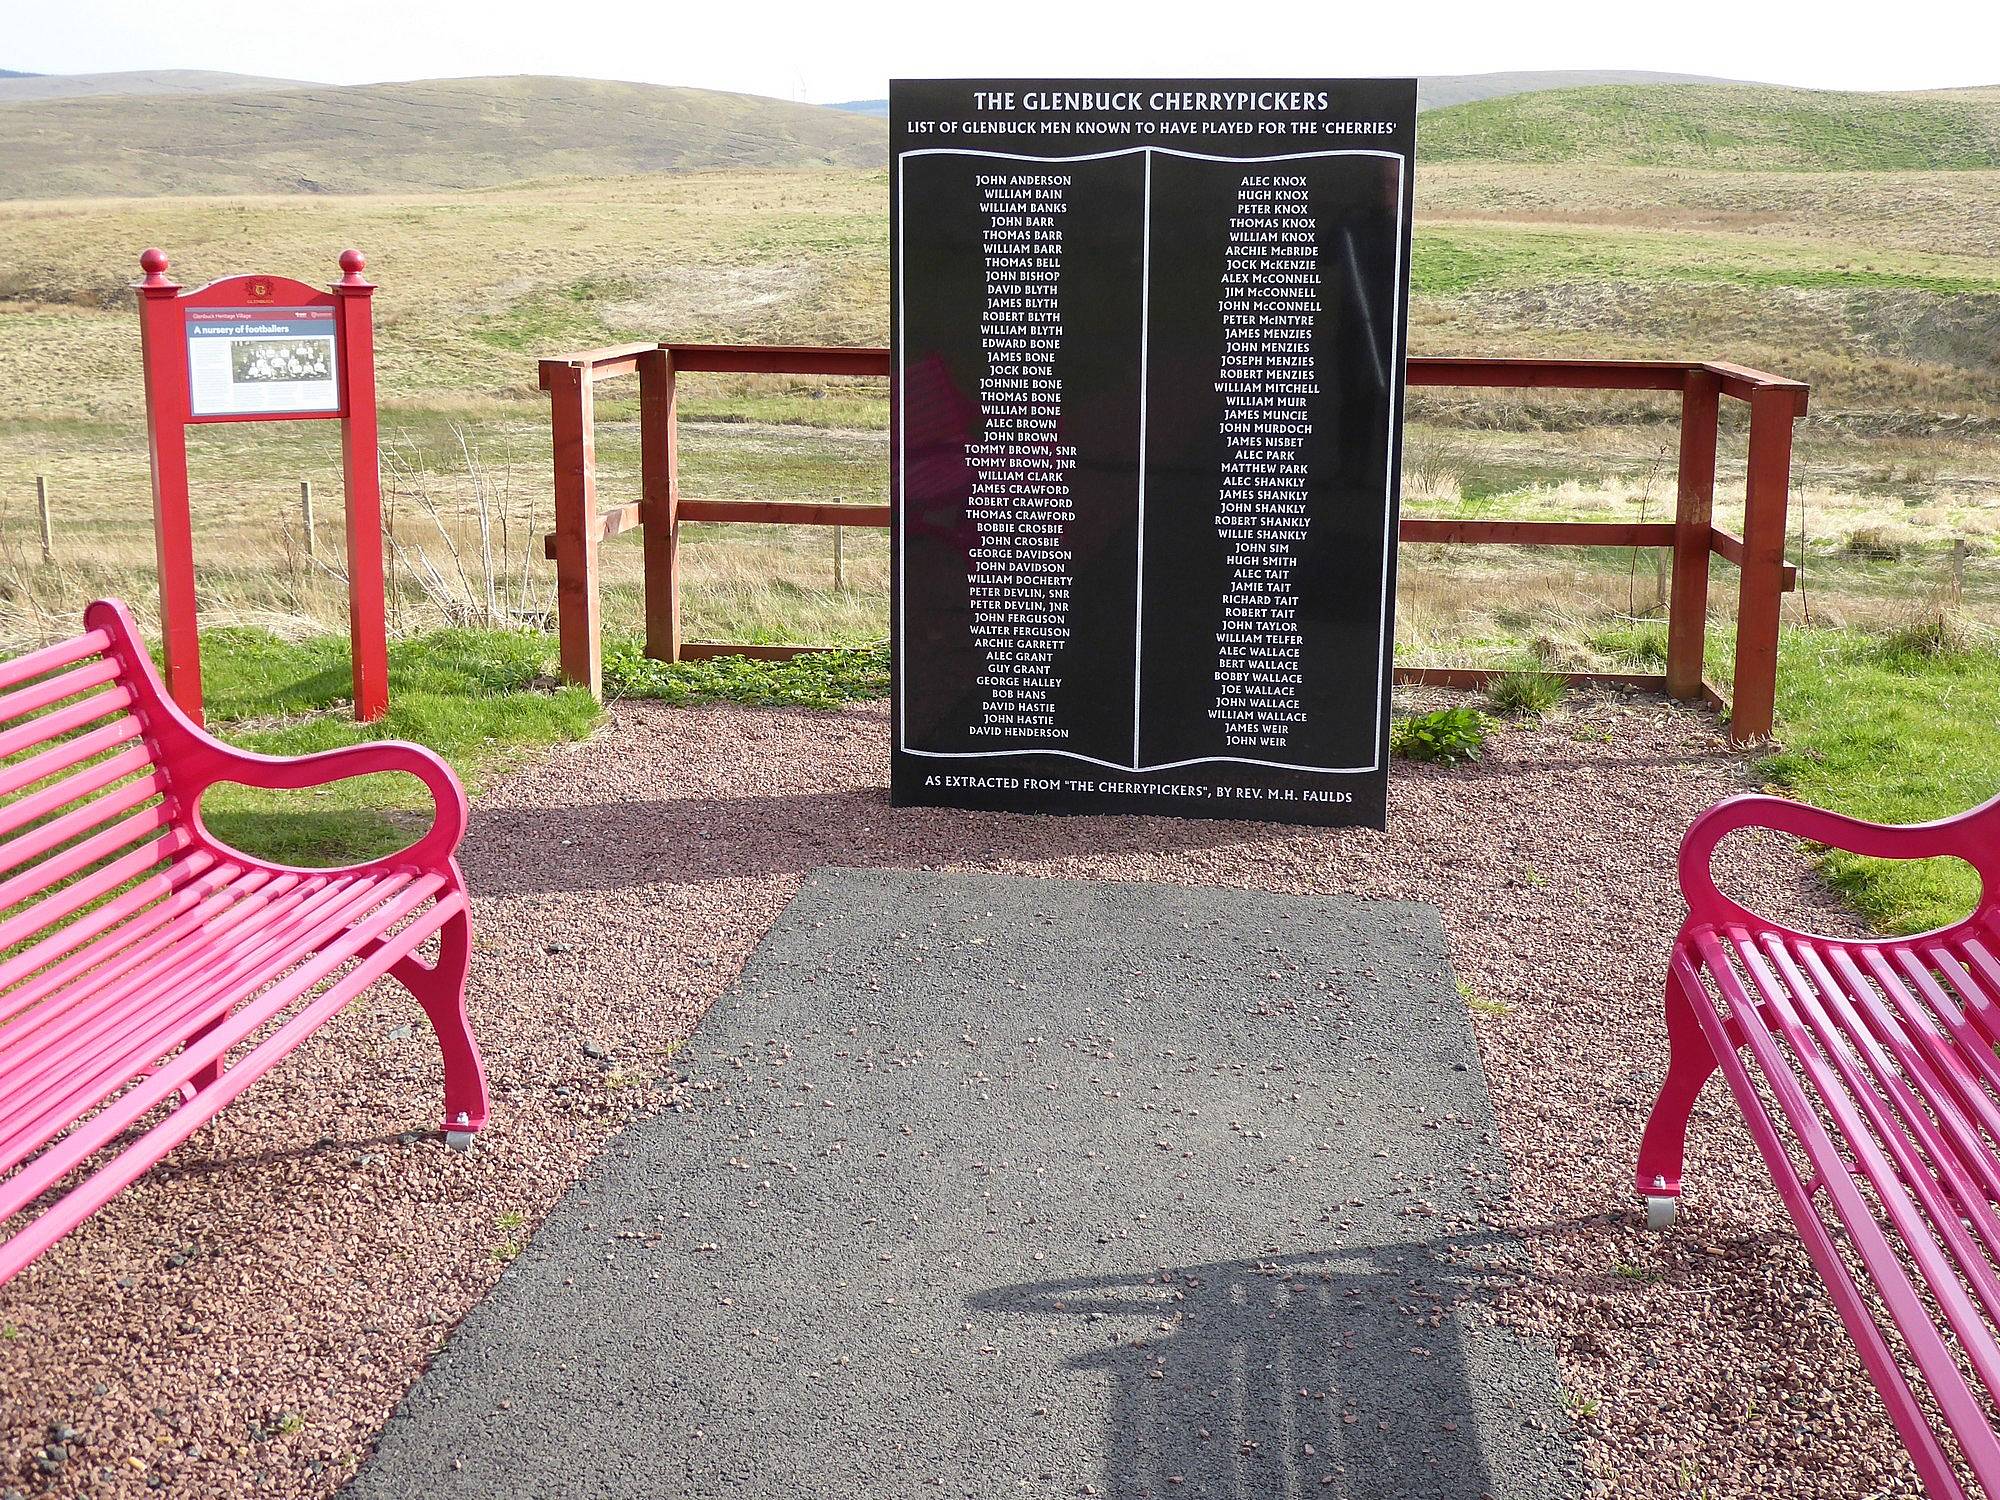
{"x": 150, "y": 973}
{"x": 1867, "y": 1073}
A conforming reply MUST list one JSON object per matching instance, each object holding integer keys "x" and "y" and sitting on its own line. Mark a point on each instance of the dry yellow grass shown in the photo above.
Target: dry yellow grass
{"x": 476, "y": 285}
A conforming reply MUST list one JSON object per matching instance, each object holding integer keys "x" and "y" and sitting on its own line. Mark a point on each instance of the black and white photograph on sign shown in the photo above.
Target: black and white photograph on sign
{"x": 256, "y": 360}
{"x": 1149, "y": 342}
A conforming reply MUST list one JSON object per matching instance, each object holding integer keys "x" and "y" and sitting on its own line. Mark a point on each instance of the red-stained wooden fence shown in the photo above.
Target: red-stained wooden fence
{"x": 1759, "y": 554}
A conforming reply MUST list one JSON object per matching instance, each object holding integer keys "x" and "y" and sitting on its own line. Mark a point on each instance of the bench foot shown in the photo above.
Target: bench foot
{"x": 440, "y": 988}
{"x": 1661, "y": 1212}
{"x": 458, "y": 1140}
{"x": 1690, "y": 1064}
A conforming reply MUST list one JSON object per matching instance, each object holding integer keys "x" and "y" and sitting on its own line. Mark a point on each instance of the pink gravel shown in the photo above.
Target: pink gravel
{"x": 245, "y": 1317}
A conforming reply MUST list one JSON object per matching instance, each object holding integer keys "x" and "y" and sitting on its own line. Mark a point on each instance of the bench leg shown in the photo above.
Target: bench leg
{"x": 1663, "y": 1148}
{"x": 440, "y": 989}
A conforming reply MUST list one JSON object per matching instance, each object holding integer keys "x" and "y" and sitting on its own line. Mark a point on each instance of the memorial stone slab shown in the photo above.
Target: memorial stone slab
{"x": 1148, "y": 345}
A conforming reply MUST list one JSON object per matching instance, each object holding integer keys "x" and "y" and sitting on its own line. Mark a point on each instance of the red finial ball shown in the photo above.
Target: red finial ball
{"x": 153, "y": 262}
{"x": 352, "y": 262}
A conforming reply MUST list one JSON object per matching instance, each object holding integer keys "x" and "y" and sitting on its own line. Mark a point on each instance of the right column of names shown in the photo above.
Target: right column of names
{"x": 1270, "y": 303}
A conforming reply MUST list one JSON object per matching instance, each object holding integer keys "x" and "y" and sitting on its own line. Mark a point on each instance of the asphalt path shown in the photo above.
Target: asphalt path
{"x": 987, "y": 1187}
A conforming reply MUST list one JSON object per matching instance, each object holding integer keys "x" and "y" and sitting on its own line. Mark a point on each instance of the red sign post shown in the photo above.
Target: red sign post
{"x": 263, "y": 349}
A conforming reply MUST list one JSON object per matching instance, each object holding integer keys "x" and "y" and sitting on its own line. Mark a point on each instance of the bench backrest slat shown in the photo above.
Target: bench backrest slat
{"x": 86, "y": 815}
{"x": 39, "y": 804}
{"x": 60, "y": 721}
{"x": 68, "y": 858}
{"x": 51, "y": 658}
{"x": 87, "y": 890}
{"x": 65, "y": 754}
{"x": 39, "y": 695}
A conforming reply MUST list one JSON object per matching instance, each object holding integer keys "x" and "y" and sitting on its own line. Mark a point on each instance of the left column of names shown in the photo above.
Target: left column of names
{"x": 1021, "y": 507}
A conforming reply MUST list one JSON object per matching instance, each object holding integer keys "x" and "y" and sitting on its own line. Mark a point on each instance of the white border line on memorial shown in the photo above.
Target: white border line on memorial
{"x": 902, "y": 454}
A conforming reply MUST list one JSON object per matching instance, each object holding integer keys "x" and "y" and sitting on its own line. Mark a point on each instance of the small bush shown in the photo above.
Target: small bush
{"x": 1884, "y": 541}
{"x": 1448, "y": 735}
{"x": 1638, "y": 644}
{"x": 1525, "y": 692}
{"x": 1931, "y": 628}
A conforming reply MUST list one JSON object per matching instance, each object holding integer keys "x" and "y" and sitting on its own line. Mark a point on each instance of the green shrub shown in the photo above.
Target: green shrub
{"x": 1930, "y": 628}
{"x": 1884, "y": 541}
{"x": 1525, "y": 692}
{"x": 1639, "y": 644}
{"x": 1448, "y": 735}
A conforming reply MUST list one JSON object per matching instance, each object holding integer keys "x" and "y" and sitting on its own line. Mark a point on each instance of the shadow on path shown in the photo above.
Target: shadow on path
{"x": 1339, "y": 1372}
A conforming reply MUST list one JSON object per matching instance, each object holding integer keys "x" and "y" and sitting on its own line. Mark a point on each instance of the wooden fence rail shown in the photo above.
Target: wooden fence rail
{"x": 1759, "y": 554}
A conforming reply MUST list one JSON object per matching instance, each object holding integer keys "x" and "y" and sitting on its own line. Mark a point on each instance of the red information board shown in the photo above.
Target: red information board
{"x": 263, "y": 349}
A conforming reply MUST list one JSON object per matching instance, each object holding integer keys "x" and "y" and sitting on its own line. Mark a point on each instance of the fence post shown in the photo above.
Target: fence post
{"x": 839, "y": 570}
{"x": 1765, "y": 495}
{"x": 306, "y": 519}
{"x": 163, "y": 349}
{"x": 1694, "y": 508}
{"x": 577, "y": 619}
{"x": 361, "y": 481}
{"x": 42, "y": 510}
{"x": 659, "y": 502}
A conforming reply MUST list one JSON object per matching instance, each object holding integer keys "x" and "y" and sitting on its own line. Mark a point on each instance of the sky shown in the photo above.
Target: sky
{"x": 830, "y": 50}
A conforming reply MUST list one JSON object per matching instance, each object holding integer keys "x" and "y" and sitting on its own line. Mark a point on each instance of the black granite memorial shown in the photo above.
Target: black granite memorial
{"x": 1148, "y": 345}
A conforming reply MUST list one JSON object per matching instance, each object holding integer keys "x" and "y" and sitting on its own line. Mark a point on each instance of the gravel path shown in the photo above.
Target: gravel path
{"x": 247, "y": 1317}
{"x": 1000, "y": 1186}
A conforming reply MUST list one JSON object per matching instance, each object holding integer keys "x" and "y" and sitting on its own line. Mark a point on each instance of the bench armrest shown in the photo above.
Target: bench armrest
{"x": 1972, "y": 836}
{"x": 194, "y": 760}
{"x": 290, "y": 773}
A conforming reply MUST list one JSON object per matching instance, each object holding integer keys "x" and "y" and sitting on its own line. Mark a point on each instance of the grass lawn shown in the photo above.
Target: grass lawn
{"x": 478, "y": 698}
{"x": 1875, "y": 729}
{"x": 482, "y": 699}
{"x": 1877, "y": 725}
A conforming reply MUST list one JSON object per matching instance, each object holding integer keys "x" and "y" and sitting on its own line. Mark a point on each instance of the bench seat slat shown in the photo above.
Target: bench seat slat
{"x": 1932, "y": 1155}
{"x": 1974, "y": 1048}
{"x": 96, "y": 931}
{"x": 1982, "y": 963}
{"x": 1921, "y": 1336}
{"x": 144, "y": 1018}
{"x": 70, "y": 981}
{"x": 1950, "y": 1061}
{"x": 1920, "y": 1052}
{"x": 87, "y": 1197}
{"x": 368, "y": 939}
{"x": 1821, "y": 1024}
{"x": 1952, "y": 988}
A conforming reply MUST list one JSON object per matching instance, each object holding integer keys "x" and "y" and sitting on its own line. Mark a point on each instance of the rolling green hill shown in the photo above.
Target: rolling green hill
{"x": 1446, "y": 89}
{"x": 408, "y": 137}
{"x": 1733, "y": 126}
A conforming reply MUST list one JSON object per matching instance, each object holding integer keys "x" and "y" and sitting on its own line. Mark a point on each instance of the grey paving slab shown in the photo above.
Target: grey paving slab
{"x": 1003, "y": 1187}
